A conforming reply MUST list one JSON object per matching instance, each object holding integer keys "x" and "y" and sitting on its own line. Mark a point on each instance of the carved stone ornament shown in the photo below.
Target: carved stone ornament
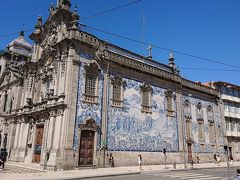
{"x": 52, "y": 113}
{"x": 169, "y": 93}
{"x": 146, "y": 87}
{"x": 89, "y": 125}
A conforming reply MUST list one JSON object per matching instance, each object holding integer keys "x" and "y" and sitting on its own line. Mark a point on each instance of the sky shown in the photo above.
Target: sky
{"x": 203, "y": 28}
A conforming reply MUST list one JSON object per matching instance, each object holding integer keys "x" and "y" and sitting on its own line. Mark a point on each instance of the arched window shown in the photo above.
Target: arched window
{"x": 210, "y": 113}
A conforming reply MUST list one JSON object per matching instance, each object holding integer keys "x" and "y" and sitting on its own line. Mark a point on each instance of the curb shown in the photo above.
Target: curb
{"x": 98, "y": 176}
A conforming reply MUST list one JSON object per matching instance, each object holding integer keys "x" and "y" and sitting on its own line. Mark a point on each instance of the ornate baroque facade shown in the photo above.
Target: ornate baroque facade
{"x": 71, "y": 97}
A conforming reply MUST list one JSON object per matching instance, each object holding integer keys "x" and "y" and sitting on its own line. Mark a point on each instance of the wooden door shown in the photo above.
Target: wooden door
{"x": 189, "y": 146}
{"x": 86, "y": 147}
{"x": 38, "y": 144}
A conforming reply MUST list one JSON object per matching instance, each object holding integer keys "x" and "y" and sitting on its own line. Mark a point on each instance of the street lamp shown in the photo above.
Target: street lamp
{"x": 183, "y": 130}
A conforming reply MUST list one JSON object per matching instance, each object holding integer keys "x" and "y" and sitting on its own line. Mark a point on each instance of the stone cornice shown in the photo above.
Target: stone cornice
{"x": 125, "y": 61}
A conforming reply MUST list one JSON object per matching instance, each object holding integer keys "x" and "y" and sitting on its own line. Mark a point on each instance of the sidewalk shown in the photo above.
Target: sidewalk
{"x": 100, "y": 172}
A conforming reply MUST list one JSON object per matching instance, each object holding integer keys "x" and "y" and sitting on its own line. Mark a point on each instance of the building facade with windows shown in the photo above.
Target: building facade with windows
{"x": 81, "y": 98}
{"x": 230, "y": 95}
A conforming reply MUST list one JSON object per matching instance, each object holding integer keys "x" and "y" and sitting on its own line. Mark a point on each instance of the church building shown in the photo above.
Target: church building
{"x": 70, "y": 99}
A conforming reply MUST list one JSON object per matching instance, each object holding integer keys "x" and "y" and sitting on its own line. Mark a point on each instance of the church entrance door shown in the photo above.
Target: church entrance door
{"x": 38, "y": 144}
{"x": 86, "y": 147}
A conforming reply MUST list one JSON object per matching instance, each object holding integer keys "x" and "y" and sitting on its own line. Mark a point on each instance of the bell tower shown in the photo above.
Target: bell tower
{"x": 59, "y": 2}
{"x": 64, "y": 3}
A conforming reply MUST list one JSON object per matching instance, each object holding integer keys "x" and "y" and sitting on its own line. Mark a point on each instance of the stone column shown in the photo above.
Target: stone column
{"x": 16, "y": 135}
{"x": 70, "y": 89}
{"x": 23, "y": 141}
{"x": 51, "y": 129}
{"x": 55, "y": 150}
{"x": 104, "y": 108}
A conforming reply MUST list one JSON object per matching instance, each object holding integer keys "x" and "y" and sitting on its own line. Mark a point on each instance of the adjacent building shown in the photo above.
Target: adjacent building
{"x": 71, "y": 98}
{"x": 230, "y": 95}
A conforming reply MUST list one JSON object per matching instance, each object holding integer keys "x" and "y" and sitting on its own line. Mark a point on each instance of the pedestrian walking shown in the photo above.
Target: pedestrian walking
{"x": 140, "y": 163}
{"x": 218, "y": 159}
{"x": 215, "y": 158}
{"x": 111, "y": 160}
{"x": 198, "y": 159}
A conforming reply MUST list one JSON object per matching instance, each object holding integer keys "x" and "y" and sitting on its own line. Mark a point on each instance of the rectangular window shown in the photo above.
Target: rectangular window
{"x": 238, "y": 127}
{"x": 145, "y": 98}
{"x": 90, "y": 85}
{"x": 228, "y": 126}
{"x": 226, "y": 107}
{"x": 233, "y": 124}
{"x": 188, "y": 129}
{"x": 212, "y": 132}
{"x": 5, "y": 102}
{"x": 146, "y": 107}
{"x": 201, "y": 133}
{"x": 117, "y": 92}
{"x": 236, "y": 93}
{"x": 223, "y": 90}
{"x": 169, "y": 103}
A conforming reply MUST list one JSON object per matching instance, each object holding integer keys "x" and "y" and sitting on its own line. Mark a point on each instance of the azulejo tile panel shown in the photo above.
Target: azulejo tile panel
{"x": 87, "y": 111}
{"x": 131, "y": 130}
{"x": 216, "y": 117}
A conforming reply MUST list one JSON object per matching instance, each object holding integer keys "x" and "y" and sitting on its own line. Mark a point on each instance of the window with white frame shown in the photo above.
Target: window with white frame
{"x": 227, "y": 125}
{"x": 233, "y": 125}
{"x": 146, "y": 93}
{"x": 226, "y": 107}
{"x": 91, "y": 84}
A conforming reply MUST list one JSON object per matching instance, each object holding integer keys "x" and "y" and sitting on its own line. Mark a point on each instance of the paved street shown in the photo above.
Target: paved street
{"x": 18, "y": 169}
{"x": 198, "y": 174}
{"x": 203, "y": 171}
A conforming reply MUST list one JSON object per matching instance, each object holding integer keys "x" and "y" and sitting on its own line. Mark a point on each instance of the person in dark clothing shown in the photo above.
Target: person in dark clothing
{"x": 215, "y": 158}
{"x": 2, "y": 161}
{"x": 3, "y": 158}
{"x": 111, "y": 160}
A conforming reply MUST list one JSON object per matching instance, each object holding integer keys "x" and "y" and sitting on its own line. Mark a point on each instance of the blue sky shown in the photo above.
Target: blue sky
{"x": 209, "y": 29}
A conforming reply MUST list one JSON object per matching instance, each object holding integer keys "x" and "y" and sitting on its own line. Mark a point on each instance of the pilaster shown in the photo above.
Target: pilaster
{"x": 104, "y": 109}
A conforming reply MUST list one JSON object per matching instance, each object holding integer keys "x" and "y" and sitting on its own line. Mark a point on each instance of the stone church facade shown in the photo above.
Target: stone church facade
{"x": 71, "y": 98}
